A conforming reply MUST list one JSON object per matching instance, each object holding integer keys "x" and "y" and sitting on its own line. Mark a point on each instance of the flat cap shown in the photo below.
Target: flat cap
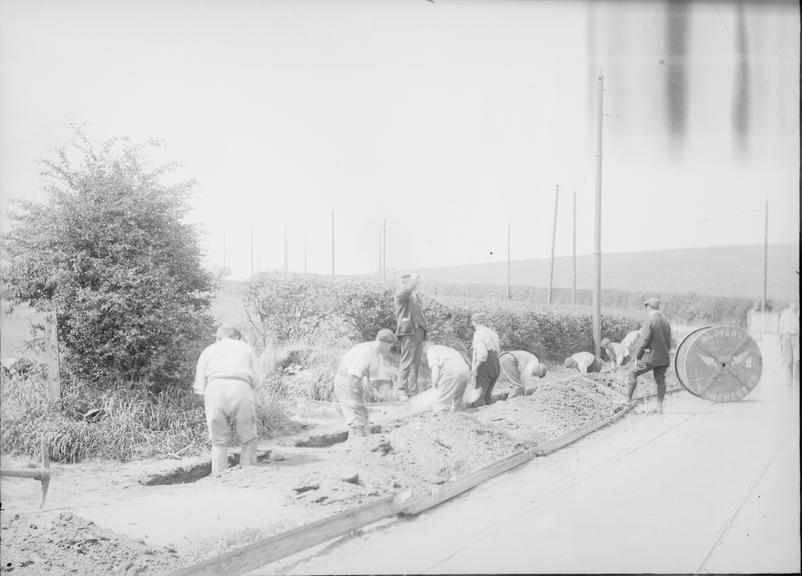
{"x": 652, "y": 303}
{"x": 387, "y": 336}
{"x": 478, "y": 318}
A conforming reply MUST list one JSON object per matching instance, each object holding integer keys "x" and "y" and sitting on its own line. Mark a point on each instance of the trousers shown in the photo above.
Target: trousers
{"x": 411, "y": 354}
{"x": 228, "y": 400}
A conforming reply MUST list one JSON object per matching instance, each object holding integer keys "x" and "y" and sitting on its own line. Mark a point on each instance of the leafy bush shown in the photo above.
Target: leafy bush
{"x": 109, "y": 252}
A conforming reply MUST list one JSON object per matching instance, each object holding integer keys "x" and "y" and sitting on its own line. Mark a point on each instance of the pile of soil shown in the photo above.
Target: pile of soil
{"x": 426, "y": 451}
{"x": 617, "y": 381}
{"x": 69, "y": 544}
{"x": 554, "y": 408}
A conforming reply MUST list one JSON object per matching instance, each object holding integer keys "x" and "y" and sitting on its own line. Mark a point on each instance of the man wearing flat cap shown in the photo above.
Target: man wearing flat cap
{"x": 652, "y": 354}
{"x": 411, "y": 332}
{"x": 361, "y": 361}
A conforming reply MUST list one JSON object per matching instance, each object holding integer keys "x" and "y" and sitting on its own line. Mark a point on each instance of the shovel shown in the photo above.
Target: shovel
{"x": 472, "y": 393}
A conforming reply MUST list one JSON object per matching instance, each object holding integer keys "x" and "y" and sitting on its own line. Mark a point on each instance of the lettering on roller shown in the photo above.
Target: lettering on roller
{"x": 719, "y": 363}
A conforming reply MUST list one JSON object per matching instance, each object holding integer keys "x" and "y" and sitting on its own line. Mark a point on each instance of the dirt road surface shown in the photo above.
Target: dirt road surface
{"x": 703, "y": 488}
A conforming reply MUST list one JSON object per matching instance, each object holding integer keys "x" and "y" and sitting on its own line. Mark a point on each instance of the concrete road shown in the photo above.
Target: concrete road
{"x": 703, "y": 488}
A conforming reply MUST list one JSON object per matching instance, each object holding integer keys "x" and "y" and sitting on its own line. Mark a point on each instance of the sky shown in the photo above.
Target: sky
{"x": 449, "y": 120}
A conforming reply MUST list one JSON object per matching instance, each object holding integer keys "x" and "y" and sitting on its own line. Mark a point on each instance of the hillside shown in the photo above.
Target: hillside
{"x": 731, "y": 271}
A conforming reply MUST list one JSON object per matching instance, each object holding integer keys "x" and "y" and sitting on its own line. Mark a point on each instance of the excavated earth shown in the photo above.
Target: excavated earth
{"x": 420, "y": 453}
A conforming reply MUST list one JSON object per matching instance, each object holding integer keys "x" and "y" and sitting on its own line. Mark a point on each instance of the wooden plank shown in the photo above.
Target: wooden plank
{"x": 259, "y": 553}
{"x": 426, "y": 501}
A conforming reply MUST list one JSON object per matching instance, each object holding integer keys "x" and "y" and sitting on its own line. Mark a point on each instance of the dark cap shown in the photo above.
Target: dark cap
{"x": 386, "y": 336}
{"x": 652, "y": 303}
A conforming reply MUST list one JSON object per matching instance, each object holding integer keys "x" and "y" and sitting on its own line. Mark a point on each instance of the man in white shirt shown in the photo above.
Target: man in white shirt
{"x": 484, "y": 366}
{"x": 584, "y": 362}
{"x": 361, "y": 361}
{"x": 225, "y": 375}
{"x": 617, "y": 353}
{"x": 631, "y": 341}
{"x": 788, "y": 335}
{"x": 450, "y": 375}
{"x": 519, "y": 368}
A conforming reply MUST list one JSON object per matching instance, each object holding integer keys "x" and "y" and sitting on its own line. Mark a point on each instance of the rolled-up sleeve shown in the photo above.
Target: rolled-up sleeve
{"x": 479, "y": 346}
{"x": 199, "y": 385}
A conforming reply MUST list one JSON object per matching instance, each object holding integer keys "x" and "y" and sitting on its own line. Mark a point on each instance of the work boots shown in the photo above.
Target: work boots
{"x": 247, "y": 455}
{"x": 219, "y": 460}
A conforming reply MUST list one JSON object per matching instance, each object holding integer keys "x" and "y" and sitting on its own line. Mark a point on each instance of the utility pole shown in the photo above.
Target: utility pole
{"x": 764, "y": 301}
{"x": 597, "y": 226}
{"x": 332, "y": 242}
{"x": 553, "y": 240}
{"x": 508, "y": 259}
{"x": 251, "y": 250}
{"x": 573, "y": 263}
{"x": 380, "y": 254}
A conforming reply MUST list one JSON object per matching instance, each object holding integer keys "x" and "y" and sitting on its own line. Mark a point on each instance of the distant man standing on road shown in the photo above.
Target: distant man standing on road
{"x": 788, "y": 335}
{"x": 226, "y": 374}
{"x": 519, "y": 368}
{"x": 485, "y": 367}
{"x": 652, "y": 352}
{"x": 411, "y": 332}
{"x": 359, "y": 362}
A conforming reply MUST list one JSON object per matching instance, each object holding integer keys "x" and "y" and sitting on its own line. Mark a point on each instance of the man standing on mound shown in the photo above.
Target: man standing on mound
{"x": 652, "y": 352}
{"x": 226, "y": 373}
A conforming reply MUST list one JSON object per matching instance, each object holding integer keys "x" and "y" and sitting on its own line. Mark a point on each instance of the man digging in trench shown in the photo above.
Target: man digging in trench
{"x": 519, "y": 368}
{"x": 225, "y": 376}
{"x": 359, "y": 362}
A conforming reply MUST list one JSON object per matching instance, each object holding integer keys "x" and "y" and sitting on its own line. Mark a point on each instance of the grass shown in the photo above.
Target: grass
{"x": 122, "y": 424}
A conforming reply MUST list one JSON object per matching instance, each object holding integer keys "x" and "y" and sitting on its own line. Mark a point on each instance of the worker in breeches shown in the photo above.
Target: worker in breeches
{"x": 226, "y": 374}
{"x": 411, "y": 332}
{"x": 652, "y": 353}
{"x": 485, "y": 367}
{"x": 519, "y": 368}
{"x": 450, "y": 374}
{"x": 788, "y": 336}
{"x": 584, "y": 362}
{"x": 360, "y": 362}
{"x": 616, "y": 352}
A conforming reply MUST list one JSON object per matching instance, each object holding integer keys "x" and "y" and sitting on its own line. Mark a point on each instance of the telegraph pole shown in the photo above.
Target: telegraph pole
{"x": 597, "y": 226}
{"x": 573, "y": 273}
{"x": 508, "y": 259}
{"x": 764, "y": 301}
{"x": 553, "y": 240}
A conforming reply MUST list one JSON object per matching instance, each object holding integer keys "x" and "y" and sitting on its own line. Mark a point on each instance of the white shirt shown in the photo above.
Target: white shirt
{"x": 789, "y": 322}
{"x": 360, "y": 360}
{"x": 443, "y": 357}
{"x": 226, "y": 358}
{"x": 584, "y": 360}
{"x": 484, "y": 340}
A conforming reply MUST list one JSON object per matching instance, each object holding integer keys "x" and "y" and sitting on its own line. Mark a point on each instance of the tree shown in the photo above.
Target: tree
{"x": 109, "y": 252}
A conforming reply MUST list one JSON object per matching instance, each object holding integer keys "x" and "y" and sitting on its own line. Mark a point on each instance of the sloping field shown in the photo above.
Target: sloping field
{"x": 717, "y": 271}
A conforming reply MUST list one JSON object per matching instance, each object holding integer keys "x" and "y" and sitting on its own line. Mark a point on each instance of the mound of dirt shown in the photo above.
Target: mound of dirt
{"x": 554, "y": 408}
{"x": 425, "y": 452}
{"x": 70, "y": 544}
{"x": 617, "y": 381}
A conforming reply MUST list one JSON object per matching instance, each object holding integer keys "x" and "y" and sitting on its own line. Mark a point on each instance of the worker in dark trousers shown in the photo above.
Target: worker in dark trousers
{"x": 411, "y": 332}
{"x": 652, "y": 352}
{"x": 485, "y": 368}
